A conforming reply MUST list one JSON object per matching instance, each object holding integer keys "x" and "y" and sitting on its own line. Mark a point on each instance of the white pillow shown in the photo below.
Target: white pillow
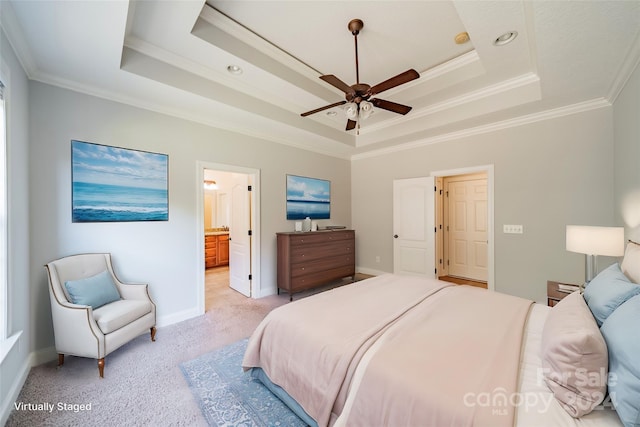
{"x": 631, "y": 263}
{"x": 574, "y": 356}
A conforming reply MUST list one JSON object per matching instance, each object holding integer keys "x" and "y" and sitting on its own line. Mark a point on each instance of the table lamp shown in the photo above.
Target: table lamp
{"x": 593, "y": 241}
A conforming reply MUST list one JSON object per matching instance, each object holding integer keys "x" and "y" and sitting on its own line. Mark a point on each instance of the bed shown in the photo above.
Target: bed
{"x": 399, "y": 350}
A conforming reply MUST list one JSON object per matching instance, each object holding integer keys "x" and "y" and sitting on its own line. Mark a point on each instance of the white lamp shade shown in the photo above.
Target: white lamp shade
{"x": 589, "y": 240}
{"x": 366, "y": 108}
{"x": 351, "y": 110}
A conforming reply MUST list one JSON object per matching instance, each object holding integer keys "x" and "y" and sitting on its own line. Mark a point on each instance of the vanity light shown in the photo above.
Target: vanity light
{"x": 506, "y": 38}
{"x": 234, "y": 69}
{"x": 210, "y": 185}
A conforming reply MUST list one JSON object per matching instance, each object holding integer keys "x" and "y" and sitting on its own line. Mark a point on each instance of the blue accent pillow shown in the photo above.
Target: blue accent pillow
{"x": 95, "y": 291}
{"x": 607, "y": 291}
{"x": 620, "y": 332}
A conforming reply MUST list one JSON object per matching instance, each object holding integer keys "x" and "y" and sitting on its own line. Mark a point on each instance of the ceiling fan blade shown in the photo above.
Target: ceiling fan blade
{"x": 326, "y": 107}
{"x": 390, "y": 106}
{"x": 350, "y": 124}
{"x": 336, "y": 82}
{"x": 401, "y": 78}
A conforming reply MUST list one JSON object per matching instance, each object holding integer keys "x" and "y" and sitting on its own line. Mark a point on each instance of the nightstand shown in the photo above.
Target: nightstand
{"x": 554, "y": 294}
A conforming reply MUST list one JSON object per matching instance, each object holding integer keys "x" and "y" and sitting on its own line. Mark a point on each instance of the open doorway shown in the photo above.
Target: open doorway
{"x": 464, "y": 226}
{"x": 228, "y": 219}
{"x": 462, "y": 212}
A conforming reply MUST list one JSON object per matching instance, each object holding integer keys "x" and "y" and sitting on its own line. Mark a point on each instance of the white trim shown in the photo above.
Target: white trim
{"x": 488, "y": 169}
{"x": 179, "y": 316}
{"x": 372, "y": 271}
{"x": 631, "y": 61}
{"x": 567, "y": 110}
{"x": 10, "y": 25}
{"x": 41, "y": 356}
{"x": 7, "y": 345}
{"x": 452, "y": 103}
{"x": 6, "y": 272}
{"x": 256, "y": 291}
{"x": 14, "y": 391}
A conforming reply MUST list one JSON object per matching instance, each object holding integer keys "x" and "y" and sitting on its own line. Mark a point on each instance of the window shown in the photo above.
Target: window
{"x": 4, "y": 265}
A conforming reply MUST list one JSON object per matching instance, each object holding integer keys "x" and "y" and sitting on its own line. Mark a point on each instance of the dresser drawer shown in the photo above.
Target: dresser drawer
{"x": 320, "y": 237}
{"x": 311, "y": 253}
{"x": 301, "y": 283}
{"x": 320, "y": 265}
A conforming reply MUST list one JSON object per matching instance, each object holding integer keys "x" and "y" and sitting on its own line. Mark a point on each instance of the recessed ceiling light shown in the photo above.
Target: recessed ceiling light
{"x": 234, "y": 69}
{"x": 506, "y": 38}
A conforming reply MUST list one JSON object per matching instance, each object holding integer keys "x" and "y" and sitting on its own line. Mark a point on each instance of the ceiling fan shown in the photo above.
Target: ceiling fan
{"x": 358, "y": 96}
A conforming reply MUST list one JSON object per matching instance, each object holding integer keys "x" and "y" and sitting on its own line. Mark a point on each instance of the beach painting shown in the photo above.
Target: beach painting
{"x": 111, "y": 184}
{"x": 308, "y": 197}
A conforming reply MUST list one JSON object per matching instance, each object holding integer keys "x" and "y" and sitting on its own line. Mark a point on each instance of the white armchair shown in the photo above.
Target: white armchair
{"x": 81, "y": 330}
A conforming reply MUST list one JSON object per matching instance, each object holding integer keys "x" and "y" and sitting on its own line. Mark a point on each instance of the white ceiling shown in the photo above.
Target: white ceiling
{"x": 172, "y": 57}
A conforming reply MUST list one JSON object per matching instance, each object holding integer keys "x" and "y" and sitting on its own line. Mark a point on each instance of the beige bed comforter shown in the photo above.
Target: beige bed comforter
{"x": 407, "y": 334}
{"x": 452, "y": 361}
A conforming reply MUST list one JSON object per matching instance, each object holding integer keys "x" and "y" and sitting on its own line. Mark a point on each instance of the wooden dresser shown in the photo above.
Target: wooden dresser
{"x": 307, "y": 260}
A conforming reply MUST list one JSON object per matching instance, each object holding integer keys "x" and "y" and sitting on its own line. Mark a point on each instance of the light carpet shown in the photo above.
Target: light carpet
{"x": 230, "y": 397}
{"x": 143, "y": 384}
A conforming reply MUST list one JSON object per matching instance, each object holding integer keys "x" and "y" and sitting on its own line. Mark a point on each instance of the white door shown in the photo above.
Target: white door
{"x": 239, "y": 237}
{"x": 467, "y": 241}
{"x": 413, "y": 227}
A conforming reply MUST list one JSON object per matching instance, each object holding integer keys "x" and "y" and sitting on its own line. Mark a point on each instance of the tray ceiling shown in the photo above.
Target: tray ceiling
{"x": 172, "y": 57}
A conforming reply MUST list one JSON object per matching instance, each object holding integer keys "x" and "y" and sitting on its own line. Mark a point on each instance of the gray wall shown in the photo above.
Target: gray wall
{"x": 627, "y": 156}
{"x": 547, "y": 175}
{"x": 14, "y": 368}
{"x": 160, "y": 253}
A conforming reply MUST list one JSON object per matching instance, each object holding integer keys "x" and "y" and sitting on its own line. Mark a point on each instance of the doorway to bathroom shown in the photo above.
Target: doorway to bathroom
{"x": 229, "y": 220}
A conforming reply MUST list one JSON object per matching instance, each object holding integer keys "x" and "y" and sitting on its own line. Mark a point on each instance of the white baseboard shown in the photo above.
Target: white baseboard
{"x": 14, "y": 392}
{"x": 177, "y": 317}
{"x": 41, "y": 356}
{"x": 371, "y": 271}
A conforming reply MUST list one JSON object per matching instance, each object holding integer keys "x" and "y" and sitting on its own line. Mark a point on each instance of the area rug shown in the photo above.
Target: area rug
{"x": 229, "y": 397}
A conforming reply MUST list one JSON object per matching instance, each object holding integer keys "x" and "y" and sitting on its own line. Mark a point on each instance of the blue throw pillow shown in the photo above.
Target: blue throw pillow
{"x": 620, "y": 331}
{"x": 95, "y": 291}
{"x": 607, "y": 291}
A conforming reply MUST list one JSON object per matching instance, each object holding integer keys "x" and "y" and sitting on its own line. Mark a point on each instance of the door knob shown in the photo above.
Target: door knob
{"x": 395, "y": 236}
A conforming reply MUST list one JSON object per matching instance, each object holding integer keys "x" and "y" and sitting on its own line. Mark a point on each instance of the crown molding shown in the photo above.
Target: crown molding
{"x": 631, "y": 61}
{"x": 13, "y": 32}
{"x": 492, "y": 127}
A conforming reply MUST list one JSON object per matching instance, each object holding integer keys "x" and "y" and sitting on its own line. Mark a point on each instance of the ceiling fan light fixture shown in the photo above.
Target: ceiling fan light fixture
{"x": 366, "y": 109}
{"x": 351, "y": 110}
{"x": 355, "y": 106}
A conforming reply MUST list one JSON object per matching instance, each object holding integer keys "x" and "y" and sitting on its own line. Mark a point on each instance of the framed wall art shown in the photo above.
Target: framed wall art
{"x": 308, "y": 197}
{"x": 112, "y": 184}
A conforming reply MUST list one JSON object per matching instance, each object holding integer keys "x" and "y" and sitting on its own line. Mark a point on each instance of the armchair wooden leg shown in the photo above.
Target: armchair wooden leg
{"x": 60, "y": 359}
{"x": 101, "y": 367}
{"x": 153, "y": 333}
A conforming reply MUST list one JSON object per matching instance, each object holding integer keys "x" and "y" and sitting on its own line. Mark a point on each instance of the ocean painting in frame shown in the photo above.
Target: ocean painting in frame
{"x": 111, "y": 184}
{"x": 308, "y": 197}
